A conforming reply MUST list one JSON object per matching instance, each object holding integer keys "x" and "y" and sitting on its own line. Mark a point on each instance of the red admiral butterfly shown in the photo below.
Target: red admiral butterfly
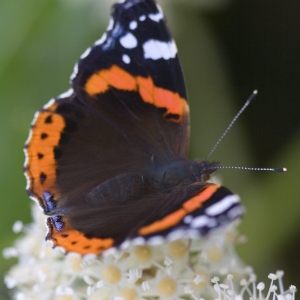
{"x": 107, "y": 160}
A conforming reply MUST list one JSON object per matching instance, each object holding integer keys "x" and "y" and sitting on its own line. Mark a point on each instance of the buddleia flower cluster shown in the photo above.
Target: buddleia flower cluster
{"x": 207, "y": 268}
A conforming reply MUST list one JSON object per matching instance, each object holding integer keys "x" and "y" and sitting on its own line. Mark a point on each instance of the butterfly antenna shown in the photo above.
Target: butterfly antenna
{"x": 252, "y": 96}
{"x": 250, "y": 169}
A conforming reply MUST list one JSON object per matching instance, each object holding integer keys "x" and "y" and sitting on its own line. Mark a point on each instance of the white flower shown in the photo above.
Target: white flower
{"x": 182, "y": 269}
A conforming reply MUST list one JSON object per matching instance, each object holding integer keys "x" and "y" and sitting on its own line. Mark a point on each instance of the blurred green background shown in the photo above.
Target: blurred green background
{"x": 227, "y": 49}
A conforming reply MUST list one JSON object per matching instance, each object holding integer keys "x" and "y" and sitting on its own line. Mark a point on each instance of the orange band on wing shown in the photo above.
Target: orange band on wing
{"x": 40, "y": 164}
{"x": 75, "y": 241}
{"x": 195, "y": 202}
{"x": 175, "y": 217}
{"x": 122, "y": 80}
{"x": 161, "y": 97}
{"x": 115, "y": 76}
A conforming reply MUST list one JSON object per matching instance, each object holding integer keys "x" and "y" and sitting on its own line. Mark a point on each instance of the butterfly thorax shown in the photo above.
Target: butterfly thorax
{"x": 181, "y": 172}
{"x": 130, "y": 186}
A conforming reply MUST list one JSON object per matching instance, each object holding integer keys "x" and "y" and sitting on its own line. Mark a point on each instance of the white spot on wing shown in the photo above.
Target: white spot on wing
{"x": 48, "y": 104}
{"x": 36, "y": 114}
{"x": 101, "y": 40}
{"x": 187, "y": 219}
{"x": 28, "y": 181}
{"x": 85, "y": 53}
{"x": 75, "y": 71}
{"x": 158, "y": 16}
{"x": 222, "y": 205}
{"x": 200, "y": 222}
{"x": 235, "y": 212}
{"x": 126, "y": 59}
{"x": 133, "y": 25}
{"x": 66, "y": 94}
{"x": 110, "y": 24}
{"x": 155, "y": 49}
{"x": 128, "y": 41}
{"x": 142, "y": 18}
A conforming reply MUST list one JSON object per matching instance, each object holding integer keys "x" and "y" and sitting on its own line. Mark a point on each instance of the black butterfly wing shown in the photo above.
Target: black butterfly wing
{"x": 127, "y": 112}
{"x": 135, "y": 113}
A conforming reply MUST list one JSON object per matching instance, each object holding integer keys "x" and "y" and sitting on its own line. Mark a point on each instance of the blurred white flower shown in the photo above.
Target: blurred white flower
{"x": 181, "y": 269}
